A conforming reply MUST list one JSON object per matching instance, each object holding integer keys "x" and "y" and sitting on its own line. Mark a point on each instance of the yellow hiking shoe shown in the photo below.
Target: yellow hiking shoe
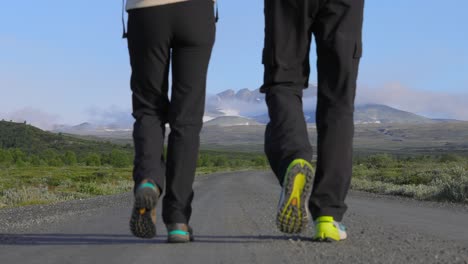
{"x": 293, "y": 211}
{"x": 328, "y": 230}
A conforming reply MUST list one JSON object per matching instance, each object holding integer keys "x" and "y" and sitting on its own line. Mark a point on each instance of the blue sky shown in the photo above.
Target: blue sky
{"x": 62, "y": 60}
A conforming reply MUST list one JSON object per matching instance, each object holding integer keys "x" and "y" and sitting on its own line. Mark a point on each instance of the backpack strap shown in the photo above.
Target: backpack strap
{"x": 124, "y": 34}
{"x": 217, "y": 13}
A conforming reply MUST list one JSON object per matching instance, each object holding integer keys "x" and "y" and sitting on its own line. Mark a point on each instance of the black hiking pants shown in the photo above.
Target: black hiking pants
{"x": 336, "y": 26}
{"x": 179, "y": 36}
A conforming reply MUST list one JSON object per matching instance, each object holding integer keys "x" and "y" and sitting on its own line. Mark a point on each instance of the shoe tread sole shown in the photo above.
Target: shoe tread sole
{"x": 293, "y": 214}
{"x": 141, "y": 222}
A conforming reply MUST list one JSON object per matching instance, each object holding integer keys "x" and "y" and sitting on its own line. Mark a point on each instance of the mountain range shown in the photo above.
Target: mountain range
{"x": 247, "y": 107}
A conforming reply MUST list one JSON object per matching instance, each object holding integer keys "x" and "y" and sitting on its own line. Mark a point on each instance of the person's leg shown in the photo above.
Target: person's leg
{"x": 149, "y": 57}
{"x": 337, "y": 30}
{"x": 286, "y": 63}
{"x": 194, "y": 34}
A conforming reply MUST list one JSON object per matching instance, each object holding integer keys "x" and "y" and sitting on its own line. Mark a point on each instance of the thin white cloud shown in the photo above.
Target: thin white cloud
{"x": 113, "y": 116}
{"x": 429, "y": 103}
{"x": 33, "y": 116}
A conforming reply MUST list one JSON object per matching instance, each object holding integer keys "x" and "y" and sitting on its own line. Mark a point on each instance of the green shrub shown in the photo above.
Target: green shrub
{"x": 35, "y": 160}
{"x": 54, "y": 181}
{"x": 93, "y": 159}
{"x": 453, "y": 186}
{"x": 26, "y": 196}
{"x": 119, "y": 159}
{"x": 90, "y": 188}
{"x": 5, "y": 157}
{"x": 57, "y": 162}
{"x": 380, "y": 161}
{"x": 260, "y": 161}
{"x": 220, "y": 161}
{"x": 69, "y": 158}
{"x": 421, "y": 192}
{"x": 100, "y": 174}
{"x": 18, "y": 155}
{"x": 450, "y": 158}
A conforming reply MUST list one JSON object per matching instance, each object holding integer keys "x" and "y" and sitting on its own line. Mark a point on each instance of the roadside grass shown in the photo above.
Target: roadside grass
{"x": 38, "y": 167}
{"x": 442, "y": 178}
{"x": 21, "y": 186}
{"x": 434, "y": 178}
{"x": 42, "y": 185}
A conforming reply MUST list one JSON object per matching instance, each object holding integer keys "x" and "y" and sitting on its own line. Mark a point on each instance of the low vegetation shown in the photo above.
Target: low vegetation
{"x": 27, "y": 179}
{"x": 38, "y": 167}
{"x": 32, "y": 179}
{"x": 437, "y": 178}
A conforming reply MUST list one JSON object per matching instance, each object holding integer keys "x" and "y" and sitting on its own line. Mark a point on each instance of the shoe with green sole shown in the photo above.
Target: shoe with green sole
{"x": 293, "y": 212}
{"x": 179, "y": 233}
{"x": 328, "y": 230}
{"x": 143, "y": 219}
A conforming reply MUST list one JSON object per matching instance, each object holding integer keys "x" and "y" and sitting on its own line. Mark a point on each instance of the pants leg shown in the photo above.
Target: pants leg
{"x": 285, "y": 58}
{"x": 194, "y": 34}
{"x": 337, "y": 30}
{"x": 286, "y": 134}
{"x": 149, "y": 58}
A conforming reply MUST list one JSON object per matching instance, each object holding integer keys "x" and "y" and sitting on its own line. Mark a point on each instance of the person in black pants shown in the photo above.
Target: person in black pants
{"x": 336, "y": 26}
{"x": 180, "y": 35}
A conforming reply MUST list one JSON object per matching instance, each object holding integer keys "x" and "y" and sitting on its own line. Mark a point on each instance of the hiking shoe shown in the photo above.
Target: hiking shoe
{"x": 143, "y": 219}
{"x": 328, "y": 230}
{"x": 293, "y": 211}
{"x": 179, "y": 233}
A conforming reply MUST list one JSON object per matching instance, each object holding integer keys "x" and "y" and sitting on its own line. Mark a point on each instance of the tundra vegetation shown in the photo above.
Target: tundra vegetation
{"x": 38, "y": 167}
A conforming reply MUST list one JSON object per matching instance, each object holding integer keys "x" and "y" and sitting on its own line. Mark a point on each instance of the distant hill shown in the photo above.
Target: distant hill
{"x": 231, "y": 121}
{"x": 382, "y": 114}
{"x": 250, "y": 104}
{"x": 33, "y": 140}
{"x": 445, "y": 120}
{"x": 84, "y": 127}
{"x": 372, "y": 114}
{"x": 400, "y": 139}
